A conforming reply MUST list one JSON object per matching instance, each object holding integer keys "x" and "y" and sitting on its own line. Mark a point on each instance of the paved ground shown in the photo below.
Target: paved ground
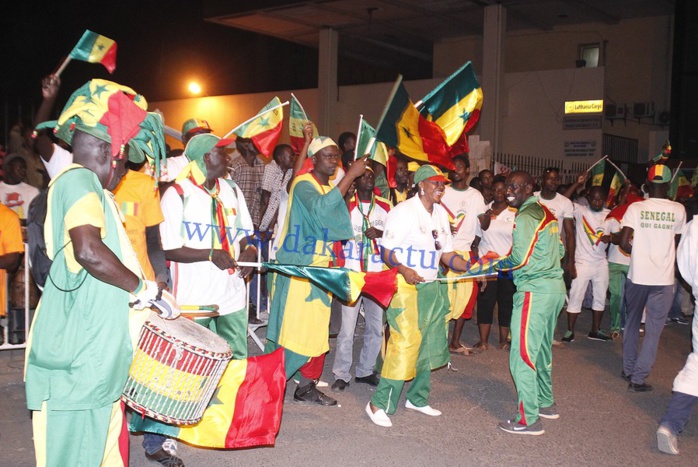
{"x": 601, "y": 422}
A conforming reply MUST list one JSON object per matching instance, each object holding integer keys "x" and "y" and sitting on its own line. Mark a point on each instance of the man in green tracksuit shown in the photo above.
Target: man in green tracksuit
{"x": 540, "y": 293}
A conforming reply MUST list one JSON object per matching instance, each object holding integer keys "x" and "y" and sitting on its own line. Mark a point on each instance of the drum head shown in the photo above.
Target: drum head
{"x": 189, "y": 333}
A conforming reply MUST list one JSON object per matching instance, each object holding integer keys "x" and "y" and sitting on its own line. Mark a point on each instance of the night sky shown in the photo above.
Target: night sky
{"x": 162, "y": 45}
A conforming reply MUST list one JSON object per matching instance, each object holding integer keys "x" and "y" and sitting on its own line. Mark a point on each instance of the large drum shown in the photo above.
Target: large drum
{"x": 176, "y": 368}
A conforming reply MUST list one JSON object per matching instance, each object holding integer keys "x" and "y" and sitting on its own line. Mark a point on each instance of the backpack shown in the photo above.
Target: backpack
{"x": 39, "y": 260}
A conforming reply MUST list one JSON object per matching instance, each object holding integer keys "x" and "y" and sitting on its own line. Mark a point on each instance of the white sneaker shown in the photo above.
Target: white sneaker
{"x": 380, "y": 418}
{"x": 666, "y": 440}
{"x": 170, "y": 446}
{"x": 426, "y": 410}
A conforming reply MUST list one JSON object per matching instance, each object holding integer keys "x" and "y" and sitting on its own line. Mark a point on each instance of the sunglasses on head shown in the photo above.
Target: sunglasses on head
{"x": 435, "y": 234}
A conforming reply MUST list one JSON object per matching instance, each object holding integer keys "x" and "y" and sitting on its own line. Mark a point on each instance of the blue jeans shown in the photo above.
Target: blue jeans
{"x": 373, "y": 336}
{"x": 678, "y": 412}
{"x": 679, "y": 297}
{"x": 152, "y": 442}
{"x": 657, "y": 299}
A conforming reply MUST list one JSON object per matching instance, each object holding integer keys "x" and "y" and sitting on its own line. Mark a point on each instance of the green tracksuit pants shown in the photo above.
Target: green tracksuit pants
{"x": 617, "y": 274}
{"x": 530, "y": 361}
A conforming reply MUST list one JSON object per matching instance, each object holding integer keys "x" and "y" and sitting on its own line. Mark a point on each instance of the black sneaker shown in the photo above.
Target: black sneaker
{"x": 639, "y": 387}
{"x": 510, "y": 426}
{"x": 162, "y": 457}
{"x": 550, "y": 412}
{"x": 625, "y": 376}
{"x": 371, "y": 380}
{"x": 568, "y": 337}
{"x": 680, "y": 320}
{"x": 339, "y": 386}
{"x": 310, "y": 395}
{"x": 599, "y": 336}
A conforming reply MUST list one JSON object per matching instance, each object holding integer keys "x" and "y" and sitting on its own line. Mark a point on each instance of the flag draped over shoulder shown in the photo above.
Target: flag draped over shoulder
{"x": 680, "y": 186}
{"x": 265, "y": 128}
{"x": 95, "y": 48}
{"x": 404, "y": 128}
{"x": 245, "y": 411}
{"x": 455, "y": 104}
{"x": 597, "y": 173}
{"x": 344, "y": 283}
{"x": 296, "y": 121}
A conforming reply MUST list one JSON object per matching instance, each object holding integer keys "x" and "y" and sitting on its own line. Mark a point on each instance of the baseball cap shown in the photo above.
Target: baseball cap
{"x": 659, "y": 173}
{"x": 200, "y": 145}
{"x": 195, "y": 124}
{"x": 429, "y": 172}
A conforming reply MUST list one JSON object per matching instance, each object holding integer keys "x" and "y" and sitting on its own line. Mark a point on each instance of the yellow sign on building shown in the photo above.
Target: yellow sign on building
{"x": 584, "y": 107}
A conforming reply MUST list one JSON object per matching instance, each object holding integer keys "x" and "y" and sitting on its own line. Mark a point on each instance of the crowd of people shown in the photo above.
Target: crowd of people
{"x": 126, "y": 218}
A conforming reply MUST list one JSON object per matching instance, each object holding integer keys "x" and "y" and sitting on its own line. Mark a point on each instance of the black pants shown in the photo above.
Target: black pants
{"x": 501, "y": 292}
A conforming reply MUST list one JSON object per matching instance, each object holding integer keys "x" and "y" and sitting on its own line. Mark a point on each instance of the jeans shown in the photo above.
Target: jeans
{"x": 373, "y": 336}
{"x": 152, "y": 442}
{"x": 682, "y": 300}
{"x": 678, "y": 412}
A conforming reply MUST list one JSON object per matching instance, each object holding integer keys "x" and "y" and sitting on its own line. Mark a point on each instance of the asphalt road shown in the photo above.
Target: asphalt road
{"x": 601, "y": 422}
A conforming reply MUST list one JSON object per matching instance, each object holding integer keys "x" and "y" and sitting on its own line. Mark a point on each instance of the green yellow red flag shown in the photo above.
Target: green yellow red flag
{"x": 95, "y": 48}
{"x": 296, "y": 121}
{"x": 455, "y": 103}
{"x": 245, "y": 410}
{"x": 366, "y": 143}
{"x": 597, "y": 172}
{"x": 404, "y": 128}
{"x": 680, "y": 186}
{"x": 264, "y": 128}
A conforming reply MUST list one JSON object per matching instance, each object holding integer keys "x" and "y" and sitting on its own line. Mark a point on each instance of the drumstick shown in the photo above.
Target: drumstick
{"x": 245, "y": 264}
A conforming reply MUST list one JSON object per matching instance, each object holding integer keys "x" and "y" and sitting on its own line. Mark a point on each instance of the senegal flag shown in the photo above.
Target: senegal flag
{"x": 245, "y": 411}
{"x": 402, "y": 127}
{"x": 343, "y": 283}
{"x": 614, "y": 189}
{"x": 680, "y": 186}
{"x": 265, "y": 128}
{"x": 94, "y": 48}
{"x": 455, "y": 104}
{"x": 597, "y": 173}
{"x": 296, "y": 121}
{"x": 366, "y": 144}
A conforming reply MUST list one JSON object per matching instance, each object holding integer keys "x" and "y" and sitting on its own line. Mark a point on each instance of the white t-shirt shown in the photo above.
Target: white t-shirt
{"x": 615, "y": 254}
{"x": 354, "y": 246}
{"x": 18, "y": 197}
{"x": 464, "y": 207}
{"x": 189, "y": 225}
{"x": 410, "y": 231}
{"x": 60, "y": 159}
{"x": 337, "y": 176}
{"x": 589, "y": 226}
{"x": 655, "y": 222}
{"x": 499, "y": 236}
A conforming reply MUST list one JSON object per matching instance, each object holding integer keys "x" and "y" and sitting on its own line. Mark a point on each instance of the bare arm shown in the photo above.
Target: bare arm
{"x": 49, "y": 90}
{"x": 390, "y": 259}
{"x": 98, "y": 260}
{"x": 625, "y": 236}
{"x": 356, "y": 169}
{"x": 581, "y": 181}
{"x": 10, "y": 262}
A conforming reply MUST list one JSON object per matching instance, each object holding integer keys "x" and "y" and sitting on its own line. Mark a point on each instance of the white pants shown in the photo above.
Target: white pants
{"x": 597, "y": 274}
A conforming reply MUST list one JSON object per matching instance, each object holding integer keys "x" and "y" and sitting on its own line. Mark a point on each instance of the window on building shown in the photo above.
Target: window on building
{"x": 590, "y": 54}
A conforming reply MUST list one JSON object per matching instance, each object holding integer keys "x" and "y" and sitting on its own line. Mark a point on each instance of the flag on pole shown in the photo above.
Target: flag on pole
{"x": 404, "y": 128}
{"x": 455, "y": 103}
{"x": 501, "y": 169}
{"x": 366, "y": 144}
{"x": 597, "y": 173}
{"x": 245, "y": 410}
{"x": 614, "y": 189}
{"x": 296, "y": 121}
{"x": 265, "y": 128}
{"x": 680, "y": 186}
{"x": 95, "y": 48}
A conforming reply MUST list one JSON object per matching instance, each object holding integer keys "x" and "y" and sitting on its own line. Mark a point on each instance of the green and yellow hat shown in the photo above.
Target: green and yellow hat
{"x": 195, "y": 124}
{"x": 429, "y": 172}
{"x": 659, "y": 173}
{"x": 196, "y": 149}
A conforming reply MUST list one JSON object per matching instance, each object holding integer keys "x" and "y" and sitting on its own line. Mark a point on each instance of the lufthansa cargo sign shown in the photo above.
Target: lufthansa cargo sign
{"x": 584, "y": 107}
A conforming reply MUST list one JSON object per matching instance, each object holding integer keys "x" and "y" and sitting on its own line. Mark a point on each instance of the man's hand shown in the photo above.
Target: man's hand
{"x": 222, "y": 260}
{"x": 373, "y": 233}
{"x": 357, "y": 168}
{"x": 50, "y": 86}
{"x": 582, "y": 178}
{"x": 411, "y": 276}
{"x": 308, "y": 132}
{"x": 605, "y": 238}
{"x": 248, "y": 255}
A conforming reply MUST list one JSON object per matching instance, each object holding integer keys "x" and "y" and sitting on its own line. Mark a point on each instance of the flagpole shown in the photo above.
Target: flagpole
{"x": 677, "y": 171}
{"x": 305, "y": 116}
{"x": 597, "y": 162}
{"x": 617, "y": 168}
{"x": 248, "y": 264}
{"x": 358, "y": 135}
{"x": 387, "y": 104}
{"x": 251, "y": 119}
{"x": 63, "y": 65}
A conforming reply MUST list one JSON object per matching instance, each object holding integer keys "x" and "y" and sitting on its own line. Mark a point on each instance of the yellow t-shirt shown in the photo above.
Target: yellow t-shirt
{"x": 10, "y": 242}
{"x": 139, "y": 201}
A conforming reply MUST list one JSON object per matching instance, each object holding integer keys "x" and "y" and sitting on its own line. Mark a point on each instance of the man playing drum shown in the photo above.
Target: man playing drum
{"x": 80, "y": 348}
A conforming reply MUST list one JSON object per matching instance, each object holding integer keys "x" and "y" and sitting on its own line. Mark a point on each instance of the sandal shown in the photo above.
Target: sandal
{"x": 480, "y": 346}
{"x": 463, "y": 350}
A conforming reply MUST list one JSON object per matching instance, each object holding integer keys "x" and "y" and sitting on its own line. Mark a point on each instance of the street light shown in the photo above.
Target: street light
{"x": 194, "y": 88}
